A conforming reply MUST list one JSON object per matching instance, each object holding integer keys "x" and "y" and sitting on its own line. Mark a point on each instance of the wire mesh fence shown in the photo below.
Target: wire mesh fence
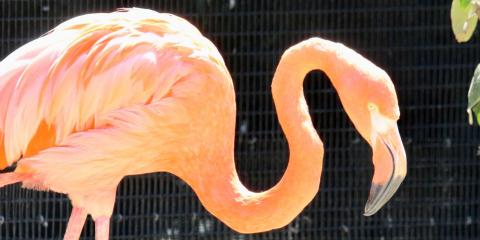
{"x": 411, "y": 40}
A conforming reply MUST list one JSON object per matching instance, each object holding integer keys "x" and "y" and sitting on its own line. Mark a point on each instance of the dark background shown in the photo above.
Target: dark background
{"x": 411, "y": 40}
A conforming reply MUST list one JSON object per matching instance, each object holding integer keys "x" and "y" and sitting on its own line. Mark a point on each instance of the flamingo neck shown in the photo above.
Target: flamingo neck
{"x": 247, "y": 211}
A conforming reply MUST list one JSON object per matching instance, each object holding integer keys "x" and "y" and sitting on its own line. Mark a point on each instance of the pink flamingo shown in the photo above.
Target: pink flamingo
{"x": 107, "y": 95}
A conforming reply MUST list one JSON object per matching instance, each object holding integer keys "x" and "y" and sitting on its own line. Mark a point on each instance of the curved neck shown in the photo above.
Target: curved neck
{"x": 245, "y": 211}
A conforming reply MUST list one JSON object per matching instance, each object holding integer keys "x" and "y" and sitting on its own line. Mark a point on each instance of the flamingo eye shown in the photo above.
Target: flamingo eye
{"x": 372, "y": 107}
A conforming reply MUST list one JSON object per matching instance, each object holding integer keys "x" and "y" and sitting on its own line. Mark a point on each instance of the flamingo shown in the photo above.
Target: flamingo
{"x": 107, "y": 95}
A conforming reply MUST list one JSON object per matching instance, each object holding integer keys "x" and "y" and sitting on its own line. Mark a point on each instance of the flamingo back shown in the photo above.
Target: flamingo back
{"x": 77, "y": 75}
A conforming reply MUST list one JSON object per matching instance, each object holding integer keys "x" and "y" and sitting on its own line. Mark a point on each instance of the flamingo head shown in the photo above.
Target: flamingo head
{"x": 369, "y": 98}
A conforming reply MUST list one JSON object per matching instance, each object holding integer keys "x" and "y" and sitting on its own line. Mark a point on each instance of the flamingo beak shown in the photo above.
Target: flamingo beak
{"x": 389, "y": 160}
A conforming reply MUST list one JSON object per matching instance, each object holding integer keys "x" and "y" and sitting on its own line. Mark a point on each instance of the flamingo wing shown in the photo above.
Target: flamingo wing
{"x": 71, "y": 79}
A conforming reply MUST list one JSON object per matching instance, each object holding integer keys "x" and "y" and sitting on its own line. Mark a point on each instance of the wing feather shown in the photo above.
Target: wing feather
{"x": 68, "y": 80}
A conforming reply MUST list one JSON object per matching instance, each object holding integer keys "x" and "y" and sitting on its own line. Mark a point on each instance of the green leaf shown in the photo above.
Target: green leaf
{"x": 464, "y": 19}
{"x": 465, "y": 3}
{"x": 474, "y": 97}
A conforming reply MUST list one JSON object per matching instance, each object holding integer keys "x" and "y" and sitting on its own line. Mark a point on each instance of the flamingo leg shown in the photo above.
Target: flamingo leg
{"x": 75, "y": 223}
{"x": 102, "y": 228}
{"x": 105, "y": 204}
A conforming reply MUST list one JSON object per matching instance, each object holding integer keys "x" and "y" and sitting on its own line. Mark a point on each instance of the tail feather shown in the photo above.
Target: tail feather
{"x": 11, "y": 178}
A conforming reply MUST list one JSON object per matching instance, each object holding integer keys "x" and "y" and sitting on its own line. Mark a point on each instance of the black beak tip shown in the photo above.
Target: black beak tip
{"x": 371, "y": 207}
{"x": 379, "y": 193}
{"x": 368, "y": 213}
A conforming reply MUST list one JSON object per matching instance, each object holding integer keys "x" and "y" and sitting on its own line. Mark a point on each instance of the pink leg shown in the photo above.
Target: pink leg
{"x": 102, "y": 228}
{"x": 75, "y": 224}
{"x": 102, "y": 208}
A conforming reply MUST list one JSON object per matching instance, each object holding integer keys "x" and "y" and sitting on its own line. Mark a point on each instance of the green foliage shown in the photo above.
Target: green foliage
{"x": 464, "y": 21}
{"x": 464, "y": 18}
{"x": 474, "y": 97}
{"x": 465, "y": 3}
